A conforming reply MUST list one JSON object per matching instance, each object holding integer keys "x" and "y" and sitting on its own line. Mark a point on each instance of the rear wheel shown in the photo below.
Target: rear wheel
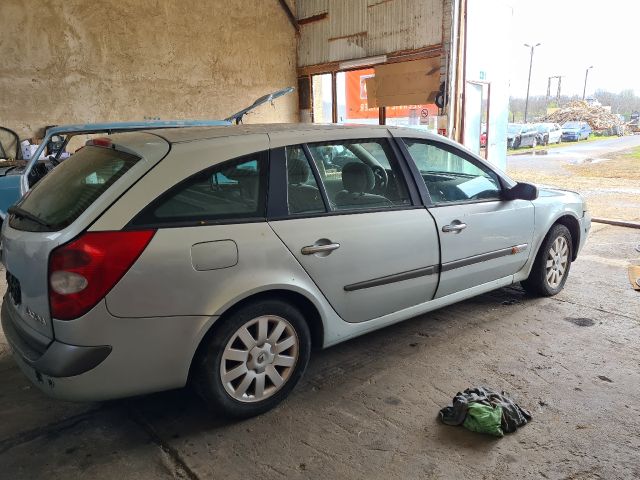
{"x": 552, "y": 264}
{"x": 253, "y": 359}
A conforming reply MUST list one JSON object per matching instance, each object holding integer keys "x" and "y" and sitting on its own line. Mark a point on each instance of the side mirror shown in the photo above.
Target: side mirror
{"x": 521, "y": 191}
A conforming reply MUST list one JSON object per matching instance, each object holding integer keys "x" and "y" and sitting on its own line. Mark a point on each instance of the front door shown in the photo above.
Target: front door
{"x": 483, "y": 238}
{"x": 354, "y": 228}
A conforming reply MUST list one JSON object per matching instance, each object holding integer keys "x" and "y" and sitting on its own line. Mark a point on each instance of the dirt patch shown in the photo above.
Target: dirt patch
{"x": 610, "y": 186}
{"x": 581, "y": 322}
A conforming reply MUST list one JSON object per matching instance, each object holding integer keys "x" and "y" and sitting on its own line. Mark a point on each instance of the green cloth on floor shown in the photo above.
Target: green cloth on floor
{"x": 484, "y": 419}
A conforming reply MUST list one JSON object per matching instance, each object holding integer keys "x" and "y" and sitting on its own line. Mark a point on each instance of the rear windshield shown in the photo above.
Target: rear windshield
{"x": 69, "y": 189}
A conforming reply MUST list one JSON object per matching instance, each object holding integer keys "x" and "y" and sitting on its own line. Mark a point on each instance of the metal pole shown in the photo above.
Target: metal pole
{"x": 526, "y": 103}
{"x": 559, "y": 87}
{"x": 586, "y": 75}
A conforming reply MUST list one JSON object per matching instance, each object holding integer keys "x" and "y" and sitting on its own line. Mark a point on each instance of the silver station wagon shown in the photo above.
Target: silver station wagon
{"x": 221, "y": 256}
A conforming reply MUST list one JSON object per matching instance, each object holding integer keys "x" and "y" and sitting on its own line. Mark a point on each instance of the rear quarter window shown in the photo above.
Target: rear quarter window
{"x": 72, "y": 187}
{"x": 233, "y": 191}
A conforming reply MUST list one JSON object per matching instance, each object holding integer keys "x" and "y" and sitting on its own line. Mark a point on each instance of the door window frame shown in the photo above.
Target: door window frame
{"x": 503, "y": 183}
{"x": 277, "y": 208}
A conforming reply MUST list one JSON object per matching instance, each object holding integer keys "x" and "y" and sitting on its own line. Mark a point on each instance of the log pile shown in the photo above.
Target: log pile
{"x": 578, "y": 111}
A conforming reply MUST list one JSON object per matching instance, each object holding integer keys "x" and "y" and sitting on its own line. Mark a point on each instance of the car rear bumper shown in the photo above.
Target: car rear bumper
{"x": 54, "y": 359}
{"x": 140, "y": 355}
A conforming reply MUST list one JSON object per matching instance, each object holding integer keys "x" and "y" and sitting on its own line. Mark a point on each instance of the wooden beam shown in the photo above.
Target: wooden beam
{"x": 394, "y": 57}
{"x": 312, "y": 19}
{"x": 290, "y": 15}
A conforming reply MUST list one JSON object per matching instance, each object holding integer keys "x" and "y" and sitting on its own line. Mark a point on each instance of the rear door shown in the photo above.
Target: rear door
{"x": 483, "y": 238}
{"x": 356, "y": 227}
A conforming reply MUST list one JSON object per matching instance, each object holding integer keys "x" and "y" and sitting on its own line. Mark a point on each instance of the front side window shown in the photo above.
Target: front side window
{"x": 449, "y": 177}
{"x": 360, "y": 174}
{"x": 229, "y": 191}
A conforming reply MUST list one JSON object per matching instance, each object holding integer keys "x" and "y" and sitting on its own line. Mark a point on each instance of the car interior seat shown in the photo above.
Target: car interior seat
{"x": 302, "y": 196}
{"x": 358, "y": 180}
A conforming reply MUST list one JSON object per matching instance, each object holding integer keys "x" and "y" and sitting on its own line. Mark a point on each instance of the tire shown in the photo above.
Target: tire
{"x": 545, "y": 141}
{"x": 534, "y": 142}
{"x": 516, "y": 143}
{"x": 559, "y": 140}
{"x": 228, "y": 351}
{"x": 556, "y": 248}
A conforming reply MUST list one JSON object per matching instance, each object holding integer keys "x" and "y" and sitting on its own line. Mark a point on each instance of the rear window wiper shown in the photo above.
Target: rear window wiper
{"x": 20, "y": 212}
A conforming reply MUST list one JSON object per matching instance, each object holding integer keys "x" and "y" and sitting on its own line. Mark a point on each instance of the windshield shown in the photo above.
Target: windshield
{"x": 67, "y": 191}
{"x": 514, "y": 128}
{"x": 571, "y": 125}
{"x": 542, "y": 128}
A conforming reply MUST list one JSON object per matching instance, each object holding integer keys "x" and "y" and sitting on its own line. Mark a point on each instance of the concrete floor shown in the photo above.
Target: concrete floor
{"x": 368, "y": 408}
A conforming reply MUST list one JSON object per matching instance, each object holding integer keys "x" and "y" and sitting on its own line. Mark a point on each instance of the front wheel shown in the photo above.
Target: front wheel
{"x": 253, "y": 359}
{"x": 552, "y": 264}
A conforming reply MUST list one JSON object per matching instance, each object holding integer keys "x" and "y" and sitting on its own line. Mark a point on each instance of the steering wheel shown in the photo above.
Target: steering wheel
{"x": 382, "y": 179}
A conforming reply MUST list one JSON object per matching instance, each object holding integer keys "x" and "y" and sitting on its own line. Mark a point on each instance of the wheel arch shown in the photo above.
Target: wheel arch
{"x": 573, "y": 225}
{"x": 306, "y": 306}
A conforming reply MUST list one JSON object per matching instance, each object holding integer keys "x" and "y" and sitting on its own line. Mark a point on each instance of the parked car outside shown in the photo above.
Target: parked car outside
{"x": 222, "y": 255}
{"x": 17, "y": 177}
{"x": 521, "y": 135}
{"x": 549, "y": 133}
{"x": 575, "y": 131}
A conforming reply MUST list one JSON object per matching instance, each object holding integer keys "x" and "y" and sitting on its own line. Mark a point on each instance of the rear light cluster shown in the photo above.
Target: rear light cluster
{"x": 83, "y": 271}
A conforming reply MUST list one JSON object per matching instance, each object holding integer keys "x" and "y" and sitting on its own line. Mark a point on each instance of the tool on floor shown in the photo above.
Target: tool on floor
{"x": 634, "y": 276}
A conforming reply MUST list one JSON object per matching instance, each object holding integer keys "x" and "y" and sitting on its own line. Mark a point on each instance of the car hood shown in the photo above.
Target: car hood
{"x": 548, "y": 191}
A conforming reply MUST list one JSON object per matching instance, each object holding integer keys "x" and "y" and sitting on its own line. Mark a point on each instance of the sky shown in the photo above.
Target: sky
{"x": 575, "y": 34}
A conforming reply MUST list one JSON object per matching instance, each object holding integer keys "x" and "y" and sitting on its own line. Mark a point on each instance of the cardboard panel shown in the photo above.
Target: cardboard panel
{"x": 405, "y": 83}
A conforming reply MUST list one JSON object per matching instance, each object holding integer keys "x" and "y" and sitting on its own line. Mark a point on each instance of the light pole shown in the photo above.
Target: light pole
{"x": 526, "y": 103}
{"x": 586, "y": 75}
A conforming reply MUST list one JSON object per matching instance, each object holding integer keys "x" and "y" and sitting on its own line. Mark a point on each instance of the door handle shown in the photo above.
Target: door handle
{"x": 455, "y": 227}
{"x": 327, "y": 248}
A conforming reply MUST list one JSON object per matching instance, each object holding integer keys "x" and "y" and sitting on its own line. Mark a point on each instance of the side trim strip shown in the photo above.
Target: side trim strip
{"x": 483, "y": 257}
{"x": 421, "y": 272}
{"x": 396, "y": 277}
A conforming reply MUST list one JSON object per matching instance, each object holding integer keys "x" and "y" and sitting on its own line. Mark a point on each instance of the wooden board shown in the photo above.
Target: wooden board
{"x": 406, "y": 83}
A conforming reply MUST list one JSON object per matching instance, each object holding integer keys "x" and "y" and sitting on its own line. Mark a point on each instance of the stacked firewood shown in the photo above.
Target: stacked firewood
{"x": 578, "y": 111}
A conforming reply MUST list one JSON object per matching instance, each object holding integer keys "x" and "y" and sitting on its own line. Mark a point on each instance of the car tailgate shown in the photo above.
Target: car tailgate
{"x": 26, "y": 246}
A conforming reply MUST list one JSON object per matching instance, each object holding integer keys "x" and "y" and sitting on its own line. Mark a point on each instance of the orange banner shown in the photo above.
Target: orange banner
{"x": 356, "y": 99}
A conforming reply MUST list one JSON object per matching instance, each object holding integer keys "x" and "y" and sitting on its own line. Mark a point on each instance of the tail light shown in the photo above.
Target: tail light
{"x": 83, "y": 271}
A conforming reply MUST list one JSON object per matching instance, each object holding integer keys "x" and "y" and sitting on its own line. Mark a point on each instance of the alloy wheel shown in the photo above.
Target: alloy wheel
{"x": 557, "y": 262}
{"x": 259, "y": 358}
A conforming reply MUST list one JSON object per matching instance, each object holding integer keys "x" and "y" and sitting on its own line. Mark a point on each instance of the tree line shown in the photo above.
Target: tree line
{"x": 624, "y": 103}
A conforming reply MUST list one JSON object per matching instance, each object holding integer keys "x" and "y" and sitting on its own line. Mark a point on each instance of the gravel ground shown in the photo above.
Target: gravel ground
{"x": 610, "y": 182}
{"x": 368, "y": 408}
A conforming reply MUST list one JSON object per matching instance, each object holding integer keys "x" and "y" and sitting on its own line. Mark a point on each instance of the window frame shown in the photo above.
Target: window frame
{"x": 503, "y": 183}
{"x": 263, "y": 197}
{"x": 277, "y": 195}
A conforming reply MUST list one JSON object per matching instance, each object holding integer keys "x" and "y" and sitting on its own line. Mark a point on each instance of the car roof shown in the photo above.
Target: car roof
{"x": 183, "y": 135}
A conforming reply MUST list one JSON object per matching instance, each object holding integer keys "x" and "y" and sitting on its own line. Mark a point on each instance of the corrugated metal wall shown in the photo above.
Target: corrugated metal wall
{"x": 363, "y": 28}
